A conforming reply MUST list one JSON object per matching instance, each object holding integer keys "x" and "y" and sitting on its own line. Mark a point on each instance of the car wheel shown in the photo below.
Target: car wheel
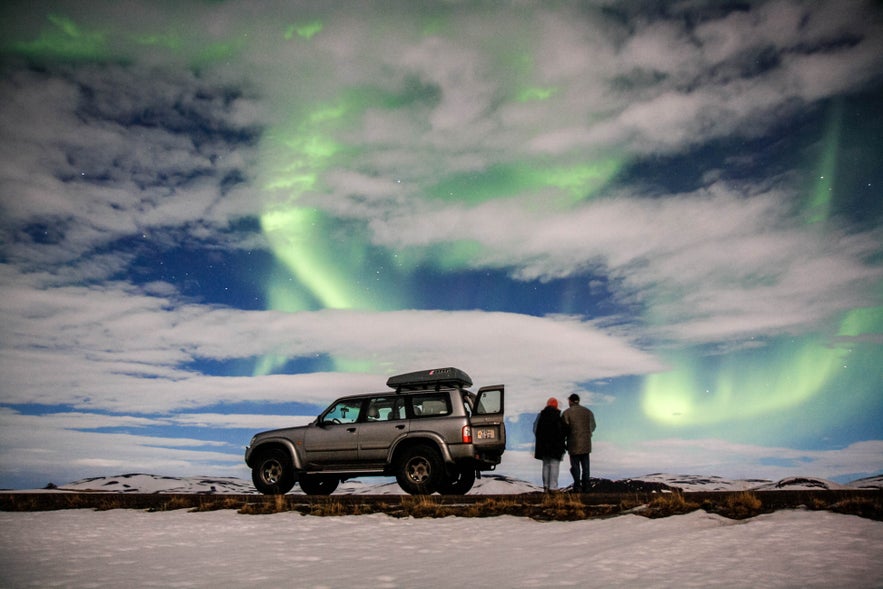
{"x": 273, "y": 473}
{"x": 318, "y": 485}
{"x": 420, "y": 470}
{"x": 459, "y": 483}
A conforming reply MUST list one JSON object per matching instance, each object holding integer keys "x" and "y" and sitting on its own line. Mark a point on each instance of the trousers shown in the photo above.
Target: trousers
{"x": 579, "y": 469}
{"x": 551, "y": 467}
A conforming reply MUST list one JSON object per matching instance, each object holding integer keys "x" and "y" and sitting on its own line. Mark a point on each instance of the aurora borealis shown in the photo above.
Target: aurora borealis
{"x": 217, "y": 217}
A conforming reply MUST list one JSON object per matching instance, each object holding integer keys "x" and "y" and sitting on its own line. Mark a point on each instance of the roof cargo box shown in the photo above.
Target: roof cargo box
{"x": 423, "y": 379}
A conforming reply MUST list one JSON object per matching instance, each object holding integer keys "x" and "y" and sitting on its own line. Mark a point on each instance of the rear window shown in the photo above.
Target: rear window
{"x": 430, "y": 405}
{"x": 489, "y": 401}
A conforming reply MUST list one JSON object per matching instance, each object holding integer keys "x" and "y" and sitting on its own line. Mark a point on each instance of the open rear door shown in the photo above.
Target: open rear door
{"x": 488, "y": 426}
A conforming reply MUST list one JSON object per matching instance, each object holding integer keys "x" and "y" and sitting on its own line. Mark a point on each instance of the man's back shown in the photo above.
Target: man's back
{"x": 580, "y": 423}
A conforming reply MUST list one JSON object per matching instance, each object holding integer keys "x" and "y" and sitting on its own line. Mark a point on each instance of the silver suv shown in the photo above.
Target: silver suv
{"x": 430, "y": 432}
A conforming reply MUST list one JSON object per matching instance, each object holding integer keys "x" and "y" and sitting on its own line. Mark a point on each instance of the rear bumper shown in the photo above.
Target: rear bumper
{"x": 479, "y": 458}
{"x": 488, "y": 460}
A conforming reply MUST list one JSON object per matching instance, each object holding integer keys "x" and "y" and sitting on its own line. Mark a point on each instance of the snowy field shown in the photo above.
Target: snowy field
{"x": 130, "y": 548}
{"x": 493, "y": 484}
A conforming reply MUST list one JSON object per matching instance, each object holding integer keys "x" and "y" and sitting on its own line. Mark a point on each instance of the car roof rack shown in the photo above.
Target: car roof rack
{"x": 426, "y": 379}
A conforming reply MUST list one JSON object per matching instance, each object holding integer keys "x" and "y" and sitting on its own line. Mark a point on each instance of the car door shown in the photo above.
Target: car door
{"x": 385, "y": 421}
{"x": 488, "y": 426}
{"x": 334, "y": 438}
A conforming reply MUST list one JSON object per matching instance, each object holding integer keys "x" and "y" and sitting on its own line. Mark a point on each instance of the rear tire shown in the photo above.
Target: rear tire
{"x": 419, "y": 470}
{"x": 318, "y": 484}
{"x": 459, "y": 483}
{"x": 273, "y": 473}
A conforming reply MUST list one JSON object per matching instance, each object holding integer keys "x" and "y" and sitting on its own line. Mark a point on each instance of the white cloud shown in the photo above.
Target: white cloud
{"x": 50, "y": 446}
{"x": 710, "y": 266}
{"x": 114, "y": 348}
{"x": 732, "y": 460}
{"x": 107, "y": 153}
{"x": 708, "y": 457}
{"x": 253, "y": 421}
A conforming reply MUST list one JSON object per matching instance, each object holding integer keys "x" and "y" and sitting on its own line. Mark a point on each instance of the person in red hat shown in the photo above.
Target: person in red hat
{"x": 549, "y": 432}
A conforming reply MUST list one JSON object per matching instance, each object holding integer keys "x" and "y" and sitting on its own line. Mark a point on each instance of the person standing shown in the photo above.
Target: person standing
{"x": 579, "y": 423}
{"x": 549, "y": 431}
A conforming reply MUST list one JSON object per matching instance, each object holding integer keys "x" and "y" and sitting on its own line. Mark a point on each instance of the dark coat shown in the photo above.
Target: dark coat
{"x": 549, "y": 431}
{"x": 579, "y": 423}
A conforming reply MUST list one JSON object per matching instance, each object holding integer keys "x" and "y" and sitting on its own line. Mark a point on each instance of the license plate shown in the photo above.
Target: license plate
{"x": 485, "y": 434}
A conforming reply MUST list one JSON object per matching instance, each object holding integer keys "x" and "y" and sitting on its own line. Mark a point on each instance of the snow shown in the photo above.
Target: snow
{"x": 131, "y": 548}
{"x": 82, "y": 548}
{"x": 874, "y": 482}
{"x": 687, "y": 482}
{"x": 151, "y": 483}
{"x": 492, "y": 484}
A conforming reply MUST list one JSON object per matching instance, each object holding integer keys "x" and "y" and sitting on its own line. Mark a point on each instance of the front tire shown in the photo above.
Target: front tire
{"x": 273, "y": 473}
{"x": 420, "y": 470}
{"x": 318, "y": 485}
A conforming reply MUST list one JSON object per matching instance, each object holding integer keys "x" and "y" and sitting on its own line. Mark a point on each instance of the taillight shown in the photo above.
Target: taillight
{"x": 467, "y": 434}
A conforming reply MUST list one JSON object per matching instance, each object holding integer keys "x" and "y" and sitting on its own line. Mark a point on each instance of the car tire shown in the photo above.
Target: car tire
{"x": 459, "y": 482}
{"x": 273, "y": 473}
{"x": 318, "y": 485}
{"x": 419, "y": 470}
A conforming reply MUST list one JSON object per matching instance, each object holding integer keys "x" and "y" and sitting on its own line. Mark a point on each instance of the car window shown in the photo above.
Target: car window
{"x": 385, "y": 409}
{"x": 489, "y": 401}
{"x": 346, "y": 411}
{"x": 431, "y": 405}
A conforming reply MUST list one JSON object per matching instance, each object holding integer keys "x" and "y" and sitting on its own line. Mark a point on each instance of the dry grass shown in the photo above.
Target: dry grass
{"x": 174, "y": 502}
{"x": 668, "y": 504}
{"x": 422, "y": 506}
{"x": 742, "y": 506}
{"x": 562, "y": 507}
{"x": 265, "y": 504}
{"x": 860, "y": 506}
{"x": 547, "y": 507}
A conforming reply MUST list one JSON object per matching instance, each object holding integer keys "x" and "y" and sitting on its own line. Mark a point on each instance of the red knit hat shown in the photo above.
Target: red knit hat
{"x": 552, "y": 402}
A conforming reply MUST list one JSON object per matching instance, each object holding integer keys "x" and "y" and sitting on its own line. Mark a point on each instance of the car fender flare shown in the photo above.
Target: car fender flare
{"x": 285, "y": 443}
{"x": 437, "y": 441}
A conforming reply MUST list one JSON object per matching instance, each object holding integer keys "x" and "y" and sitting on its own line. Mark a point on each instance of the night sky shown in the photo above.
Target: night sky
{"x": 217, "y": 217}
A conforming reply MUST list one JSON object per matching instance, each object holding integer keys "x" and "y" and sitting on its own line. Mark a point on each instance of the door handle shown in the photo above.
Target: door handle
{"x": 400, "y": 426}
{"x": 351, "y": 430}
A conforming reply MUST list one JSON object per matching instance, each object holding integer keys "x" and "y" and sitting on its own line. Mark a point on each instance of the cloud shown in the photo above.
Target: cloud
{"x": 105, "y": 153}
{"x": 114, "y": 348}
{"x": 52, "y": 447}
{"x": 155, "y": 154}
{"x": 683, "y": 80}
{"x": 61, "y": 447}
{"x": 709, "y": 457}
{"x": 733, "y": 460}
{"x": 253, "y": 421}
{"x": 710, "y": 266}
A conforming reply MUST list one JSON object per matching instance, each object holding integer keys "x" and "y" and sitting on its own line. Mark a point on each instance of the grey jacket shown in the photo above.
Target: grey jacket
{"x": 579, "y": 423}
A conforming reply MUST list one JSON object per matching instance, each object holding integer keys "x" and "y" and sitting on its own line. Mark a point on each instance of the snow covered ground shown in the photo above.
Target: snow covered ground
{"x": 151, "y": 483}
{"x": 488, "y": 485}
{"x": 130, "y": 548}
